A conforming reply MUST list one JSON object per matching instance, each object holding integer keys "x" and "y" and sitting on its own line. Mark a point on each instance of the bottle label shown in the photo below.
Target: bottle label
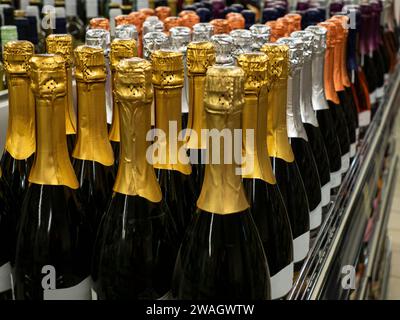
{"x": 345, "y": 162}
{"x": 353, "y": 149}
{"x": 336, "y": 179}
{"x": 364, "y": 118}
{"x": 5, "y": 277}
{"x": 326, "y": 194}
{"x": 71, "y": 8}
{"x": 282, "y": 282}
{"x": 380, "y": 92}
{"x": 92, "y": 9}
{"x": 82, "y": 291}
{"x": 142, "y": 4}
{"x": 372, "y": 97}
{"x": 316, "y": 217}
{"x": 301, "y": 246}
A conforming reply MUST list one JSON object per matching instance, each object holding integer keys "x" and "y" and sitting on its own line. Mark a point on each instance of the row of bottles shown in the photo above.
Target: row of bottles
{"x": 91, "y": 198}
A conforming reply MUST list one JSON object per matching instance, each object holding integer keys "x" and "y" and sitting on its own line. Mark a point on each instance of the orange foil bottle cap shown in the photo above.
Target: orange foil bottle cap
{"x": 137, "y": 19}
{"x": 148, "y": 12}
{"x": 171, "y": 22}
{"x": 123, "y": 19}
{"x": 291, "y": 24}
{"x": 220, "y": 26}
{"x": 297, "y": 19}
{"x": 185, "y": 12}
{"x": 163, "y": 12}
{"x": 189, "y": 20}
{"x": 235, "y": 20}
{"x": 284, "y": 23}
{"x": 100, "y": 23}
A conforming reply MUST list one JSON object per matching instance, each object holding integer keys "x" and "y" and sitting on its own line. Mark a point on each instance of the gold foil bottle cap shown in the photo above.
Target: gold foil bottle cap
{"x": 100, "y": 23}
{"x": 220, "y": 26}
{"x": 224, "y": 90}
{"x": 16, "y": 56}
{"x": 134, "y": 80}
{"x": 167, "y": 69}
{"x": 200, "y": 56}
{"x": 48, "y": 76}
{"x": 278, "y": 62}
{"x": 163, "y": 12}
{"x": 19, "y": 13}
{"x": 90, "y": 64}
{"x": 255, "y": 67}
{"x": 122, "y": 49}
{"x": 61, "y": 44}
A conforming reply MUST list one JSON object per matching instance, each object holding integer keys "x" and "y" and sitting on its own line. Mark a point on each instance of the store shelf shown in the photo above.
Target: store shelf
{"x": 340, "y": 238}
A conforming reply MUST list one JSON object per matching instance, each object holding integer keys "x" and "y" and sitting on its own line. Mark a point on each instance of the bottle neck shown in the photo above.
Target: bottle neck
{"x": 135, "y": 174}
{"x": 169, "y": 147}
{"x": 52, "y": 165}
{"x": 294, "y": 123}
{"x": 330, "y": 92}
{"x": 318, "y": 90}
{"x": 115, "y": 124}
{"x": 343, "y": 65}
{"x": 92, "y": 143}
{"x": 222, "y": 191}
{"x": 70, "y": 117}
{"x": 277, "y": 138}
{"x": 20, "y": 140}
{"x": 352, "y": 45}
{"x": 337, "y": 72}
{"x": 256, "y": 164}
{"x": 197, "y": 115}
{"x": 306, "y": 107}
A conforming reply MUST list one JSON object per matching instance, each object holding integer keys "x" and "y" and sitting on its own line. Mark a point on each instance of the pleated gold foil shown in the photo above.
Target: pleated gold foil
{"x": 52, "y": 165}
{"x": 134, "y": 93}
{"x": 255, "y": 116}
{"x": 222, "y": 191}
{"x": 277, "y": 77}
{"x": 120, "y": 49}
{"x": 168, "y": 83}
{"x": 200, "y": 56}
{"x": 20, "y": 139}
{"x": 92, "y": 143}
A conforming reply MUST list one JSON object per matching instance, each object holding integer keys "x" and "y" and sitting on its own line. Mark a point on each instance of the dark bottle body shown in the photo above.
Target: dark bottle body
{"x": 136, "y": 250}
{"x": 346, "y": 103}
{"x": 53, "y": 232}
{"x": 95, "y": 181}
{"x": 179, "y": 193}
{"x": 221, "y": 256}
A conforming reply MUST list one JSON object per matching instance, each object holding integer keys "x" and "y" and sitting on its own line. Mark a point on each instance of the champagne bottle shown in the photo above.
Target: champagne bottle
{"x": 202, "y": 31}
{"x": 8, "y": 225}
{"x": 120, "y": 49}
{"x": 261, "y": 35}
{"x": 20, "y": 142}
{"x": 93, "y": 158}
{"x": 61, "y": 44}
{"x": 335, "y": 106}
{"x": 283, "y": 161}
{"x": 266, "y": 202}
{"x": 174, "y": 169}
{"x": 52, "y": 262}
{"x": 137, "y": 237}
{"x": 200, "y": 56}
{"x": 323, "y": 114}
{"x": 221, "y": 254}
{"x": 308, "y": 147}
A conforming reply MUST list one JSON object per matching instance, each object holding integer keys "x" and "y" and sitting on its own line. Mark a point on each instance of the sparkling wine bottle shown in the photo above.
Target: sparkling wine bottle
{"x": 137, "y": 238}
{"x": 266, "y": 202}
{"x": 54, "y": 242}
{"x": 283, "y": 161}
{"x": 221, "y": 254}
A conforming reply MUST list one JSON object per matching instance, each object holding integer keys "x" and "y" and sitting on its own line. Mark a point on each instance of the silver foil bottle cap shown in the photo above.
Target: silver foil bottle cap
{"x": 308, "y": 39}
{"x": 223, "y": 48}
{"x": 202, "y": 31}
{"x": 180, "y": 38}
{"x": 153, "y": 41}
{"x": 296, "y": 52}
{"x": 319, "y": 42}
{"x": 152, "y": 24}
{"x": 98, "y": 38}
{"x": 126, "y": 32}
{"x": 261, "y": 35}
{"x": 242, "y": 41}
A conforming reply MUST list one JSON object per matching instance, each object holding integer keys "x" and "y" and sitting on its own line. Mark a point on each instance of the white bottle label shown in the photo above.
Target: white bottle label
{"x": 282, "y": 282}
{"x": 353, "y": 149}
{"x": 82, "y": 291}
{"x": 92, "y": 10}
{"x": 336, "y": 179}
{"x": 301, "y": 246}
{"x": 364, "y": 118}
{"x": 345, "y": 162}
{"x": 5, "y": 277}
{"x": 316, "y": 217}
{"x": 71, "y": 8}
{"x": 372, "y": 97}
{"x": 142, "y": 4}
{"x": 326, "y": 194}
{"x": 380, "y": 92}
